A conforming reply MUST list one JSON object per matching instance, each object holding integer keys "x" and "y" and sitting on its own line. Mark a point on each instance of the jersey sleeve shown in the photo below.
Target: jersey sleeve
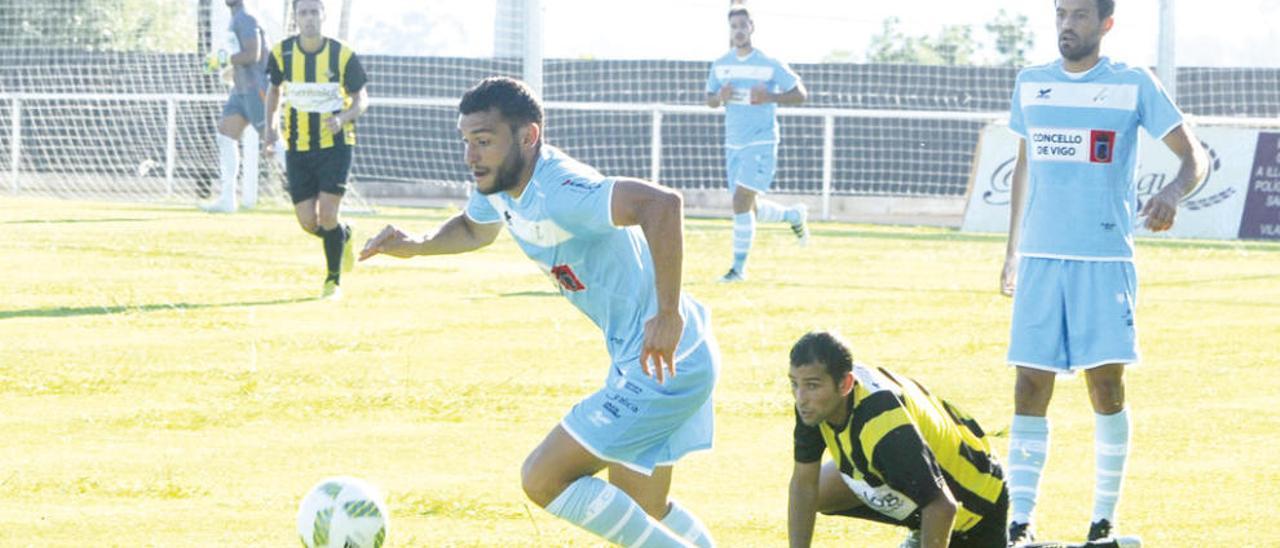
{"x": 1159, "y": 115}
{"x": 809, "y": 443}
{"x": 245, "y": 29}
{"x": 275, "y": 73}
{"x": 1016, "y": 122}
{"x": 582, "y": 205}
{"x": 785, "y": 78}
{"x": 480, "y": 210}
{"x": 713, "y": 84}
{"x": 355, "y": 78}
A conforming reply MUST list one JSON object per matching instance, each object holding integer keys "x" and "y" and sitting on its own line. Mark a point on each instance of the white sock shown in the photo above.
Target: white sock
{"x": 687, "y": 525}
{"x": 769, "y": 212}
{"x": 228, "y": 162}
{"x": 1110, "y": 450}
{"x": 250, "y": 146}
{"x": 744, "y": 231}
{"x": 1028, "y": 452}
{"x": 609, "y": 513}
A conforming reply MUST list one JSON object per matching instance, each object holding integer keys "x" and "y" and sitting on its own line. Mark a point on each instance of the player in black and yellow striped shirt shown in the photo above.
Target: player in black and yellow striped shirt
{"x": 900, "y": 454}
{"x": 323, "y": 85}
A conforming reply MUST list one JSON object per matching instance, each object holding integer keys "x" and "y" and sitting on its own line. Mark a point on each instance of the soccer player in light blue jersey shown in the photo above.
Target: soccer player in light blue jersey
{"x": 245, "y": 50}
{"x": 1070, "y": 249}
{"x": 751, "y": 85}
{"x": 614, "y": 247}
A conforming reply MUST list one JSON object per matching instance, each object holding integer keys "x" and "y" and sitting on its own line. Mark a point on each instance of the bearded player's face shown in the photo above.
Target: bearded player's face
{"x": 1080, "y": 29}
{"x": 495, "y": 151}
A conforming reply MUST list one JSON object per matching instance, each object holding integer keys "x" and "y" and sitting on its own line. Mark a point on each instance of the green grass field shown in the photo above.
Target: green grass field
{"x": 167, "y": 379}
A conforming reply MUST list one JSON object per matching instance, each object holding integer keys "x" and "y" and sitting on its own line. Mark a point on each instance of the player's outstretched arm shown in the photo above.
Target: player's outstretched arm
{"x": 1161, "y": 209}
{"x": 459, "y": 234}
{"x": 659, "y": 212}
{"x": 802, "y": 503}
{"x": 1017, "y": 190}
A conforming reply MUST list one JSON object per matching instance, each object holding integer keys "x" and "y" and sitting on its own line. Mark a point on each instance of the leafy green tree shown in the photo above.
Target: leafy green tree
{"x": 1013, "y": 38}
{"x": 98, "y": 25}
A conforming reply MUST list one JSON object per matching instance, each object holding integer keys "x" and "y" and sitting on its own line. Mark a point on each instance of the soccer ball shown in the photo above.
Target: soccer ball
{"x": 342, "y": 512}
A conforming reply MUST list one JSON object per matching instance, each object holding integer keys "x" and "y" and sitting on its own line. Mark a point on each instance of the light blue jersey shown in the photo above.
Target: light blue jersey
{"x": 1081, "y": 133}
{"x": 249, "y": 78}
{"x": 746, "y": 124}
{"x": 563, "y": 221}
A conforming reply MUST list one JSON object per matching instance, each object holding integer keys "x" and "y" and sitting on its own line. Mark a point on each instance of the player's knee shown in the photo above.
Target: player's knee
{"x": 1107, "y": 396}
{"x": 308, "y": 225}
{"x": 537, "y": 485}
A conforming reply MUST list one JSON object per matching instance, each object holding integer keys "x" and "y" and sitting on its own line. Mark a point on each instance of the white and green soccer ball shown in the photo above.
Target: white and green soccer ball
{"x": 342, "y": 512}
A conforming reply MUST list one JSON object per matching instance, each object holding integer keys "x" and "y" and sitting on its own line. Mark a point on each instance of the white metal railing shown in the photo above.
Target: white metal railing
{"x": 656, "y": 111}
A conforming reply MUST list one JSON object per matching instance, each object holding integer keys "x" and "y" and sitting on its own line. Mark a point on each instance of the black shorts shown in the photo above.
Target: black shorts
{"x": 314, "y": 171}
{"x": 991, "y": 532}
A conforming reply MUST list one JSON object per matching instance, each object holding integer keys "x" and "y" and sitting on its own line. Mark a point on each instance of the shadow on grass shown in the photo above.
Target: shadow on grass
{"x": 72, "y": 221}
{"x": 67, "y": 311}
{"x": 531, "y": 294}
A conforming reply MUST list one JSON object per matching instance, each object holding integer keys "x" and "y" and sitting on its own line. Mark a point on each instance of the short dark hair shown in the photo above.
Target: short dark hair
{"x": 824, "y": 348}
{"x": 514, "y": 99}
{"x": 1106, "y": 8}
{"x": 739, "y": 9}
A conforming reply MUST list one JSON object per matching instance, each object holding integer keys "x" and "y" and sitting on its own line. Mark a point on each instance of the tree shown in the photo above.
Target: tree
{"x": 1012, "y": 38}
{"x": 117, "y": 25}
{"x": 953, "y": 45}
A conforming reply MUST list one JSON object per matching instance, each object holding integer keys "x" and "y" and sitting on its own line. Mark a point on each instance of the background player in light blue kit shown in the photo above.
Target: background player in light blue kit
{"x": 1070, "y": 249}
{"x": 614, "y": 248}
{"x": 751, "y": 85}
{"x": 245, "y": 50}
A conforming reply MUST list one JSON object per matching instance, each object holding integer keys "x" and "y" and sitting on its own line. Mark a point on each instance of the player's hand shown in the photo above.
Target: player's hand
{"x": 391, "y": 241}
{"x": 334, "y": 123}
{"x": 1009, "y": 276}
{"x": 760, "y": 95}
{"x": 661, "y": 336}
{"x": 1162, "y": 208}
{"x": 269, "y": 138}
{"x": 726, "y": 93}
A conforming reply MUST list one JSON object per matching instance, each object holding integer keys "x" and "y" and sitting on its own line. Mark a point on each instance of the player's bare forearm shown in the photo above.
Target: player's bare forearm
{"x": 359, "y": 104}
{"x": 1017, "y": 190}
{"x": 659, "y": 212}
{"x": 795, "y": 96}
{"x": 272, "y": 101}
{"x": 459, "y": 234}
{"x": 1194, "y": 162}
{"x": 802, "y": 504}
{"x": 713, "y": 100}
{"x": 936, "y": 520}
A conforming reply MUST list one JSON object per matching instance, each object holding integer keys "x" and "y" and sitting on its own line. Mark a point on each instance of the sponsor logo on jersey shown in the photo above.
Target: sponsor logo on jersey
{"x": 564, "y": 275}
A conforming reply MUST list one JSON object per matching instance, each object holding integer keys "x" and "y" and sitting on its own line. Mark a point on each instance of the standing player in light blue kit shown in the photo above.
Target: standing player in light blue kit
{"x": 751, "y": 85}
{"x": 614, "y": 248}
{"x": 1071, "y": 253}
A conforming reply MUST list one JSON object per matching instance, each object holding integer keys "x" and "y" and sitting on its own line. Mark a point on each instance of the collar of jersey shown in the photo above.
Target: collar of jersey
{"x": 1090, "y": 74}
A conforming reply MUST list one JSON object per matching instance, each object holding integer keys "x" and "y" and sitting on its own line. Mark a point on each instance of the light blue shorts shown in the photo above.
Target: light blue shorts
{"x": 636, "y": 422}
{"x": 249, "y": 106}
{"x": 752, "y": 166}
{"x": 1070, "y": 315}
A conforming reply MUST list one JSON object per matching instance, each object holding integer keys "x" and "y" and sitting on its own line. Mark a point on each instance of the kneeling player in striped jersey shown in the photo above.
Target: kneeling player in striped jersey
{"x": 900, "y": 454}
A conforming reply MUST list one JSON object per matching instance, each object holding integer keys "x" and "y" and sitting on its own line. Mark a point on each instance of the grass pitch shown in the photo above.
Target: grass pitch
{"x": 168, "y": 379}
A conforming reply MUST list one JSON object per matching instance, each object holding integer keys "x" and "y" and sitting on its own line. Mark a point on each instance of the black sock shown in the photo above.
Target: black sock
{"x": 333, "y": 240}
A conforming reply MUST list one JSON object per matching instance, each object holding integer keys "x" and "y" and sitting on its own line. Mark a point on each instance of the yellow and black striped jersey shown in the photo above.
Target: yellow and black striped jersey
{"x": 315, "y": 86}
{"x": 899, "y": 444}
